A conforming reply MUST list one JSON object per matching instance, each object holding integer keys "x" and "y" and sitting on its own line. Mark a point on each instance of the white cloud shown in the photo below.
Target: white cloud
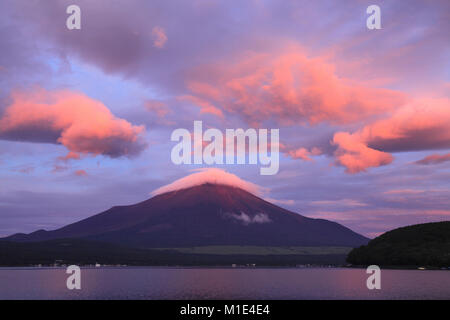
{"x": 210, "y": 175}
{"x": 247, "y": 219}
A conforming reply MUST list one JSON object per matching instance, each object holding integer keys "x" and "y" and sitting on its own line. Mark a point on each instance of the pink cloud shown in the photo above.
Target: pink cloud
{"x": 355, "y": 155}
{"x": 288, "y": 86}
{"x": 205, "y": 106}
{"x": 83, "y": 125}
{"x": 434, "y": 159}
{"x": 420, "y": 125}
{"x": 160, "y": 108}
{"x": 403, "y": 192}
{"x": 339, "y": 203}
{"x": 304, "y": 154}
{"x": 70, "y": 156}
{"x": 159, "y": 37}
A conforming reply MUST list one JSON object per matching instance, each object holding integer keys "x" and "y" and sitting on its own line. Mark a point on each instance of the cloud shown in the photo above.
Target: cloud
{"x": 70, "y": 156}
{"x": 420, "y": 125}
{"x": 159, "y": 37}
{"x": 80, "y": 173}
{"x": 355, "y": 155}
{"x": 339, "y": 203}
{"x": 205, "y": 106}
{"x": 59, "y": 168}
{"x": 304, "y": 154}
{"x": 434, "y": 159}
{"x": 403, "y": 191}
{"x": 160, "y": 108}
{"x": 288, "y": 86}
{"x": 83, "y": 125}
{"x": 210, "y": 175}
{"x": 247, "y": 219}
{"x": 423, "y": 124}
{"x": 288, "y": 202}
{"x": 24, "y": 169}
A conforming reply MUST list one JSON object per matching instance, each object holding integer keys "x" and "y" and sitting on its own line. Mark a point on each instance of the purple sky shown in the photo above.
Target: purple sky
{"x": 364, "y": 115}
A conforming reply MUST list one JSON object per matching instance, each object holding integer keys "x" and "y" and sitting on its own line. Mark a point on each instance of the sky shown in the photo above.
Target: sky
{"x": 86, "y": 116}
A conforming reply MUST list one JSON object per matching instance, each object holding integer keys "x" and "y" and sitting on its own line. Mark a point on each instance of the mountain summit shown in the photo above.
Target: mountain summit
{"x": 203, "y": 215}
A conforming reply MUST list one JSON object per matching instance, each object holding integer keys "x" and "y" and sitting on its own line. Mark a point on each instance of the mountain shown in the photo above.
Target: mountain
{"x": 425, "y": 244}
{"x": 203, "y": 215}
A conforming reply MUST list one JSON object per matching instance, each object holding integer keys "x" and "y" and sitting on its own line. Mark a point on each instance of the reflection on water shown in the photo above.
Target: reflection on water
{"x": 222, "y": 283}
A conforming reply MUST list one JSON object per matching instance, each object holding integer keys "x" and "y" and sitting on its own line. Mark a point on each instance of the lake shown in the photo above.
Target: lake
{"x": 222, "y": 283}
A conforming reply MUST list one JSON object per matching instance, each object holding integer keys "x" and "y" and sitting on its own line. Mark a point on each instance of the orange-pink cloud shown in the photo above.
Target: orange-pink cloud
{"x": 291, "y": 87}
{"x": 434, "y": 159}
{"x": 303, "y": 153}
{"x": 420, "y": 125}
{"x": 83, "y": 125}
{"x": 205, "y": 106}
{"x": 355, "y": 155}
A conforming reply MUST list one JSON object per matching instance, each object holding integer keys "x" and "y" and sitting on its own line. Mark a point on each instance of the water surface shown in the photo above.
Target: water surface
{"x": 222, "y": 283}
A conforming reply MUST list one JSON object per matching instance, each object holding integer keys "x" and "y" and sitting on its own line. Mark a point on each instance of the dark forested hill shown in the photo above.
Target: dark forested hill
{"x": 418, "y": 245}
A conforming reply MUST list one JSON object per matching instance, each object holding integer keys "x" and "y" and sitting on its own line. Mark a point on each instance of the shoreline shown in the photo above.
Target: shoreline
{"x": 418, "y": 268}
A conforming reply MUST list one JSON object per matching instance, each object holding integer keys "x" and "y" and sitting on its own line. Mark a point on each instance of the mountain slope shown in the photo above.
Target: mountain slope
{"x": 209, "y": 214}
{"x": 418, "y": 245}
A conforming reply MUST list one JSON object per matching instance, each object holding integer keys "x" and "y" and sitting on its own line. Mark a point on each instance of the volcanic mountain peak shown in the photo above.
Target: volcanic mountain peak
{"x": 202, "y": 215}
